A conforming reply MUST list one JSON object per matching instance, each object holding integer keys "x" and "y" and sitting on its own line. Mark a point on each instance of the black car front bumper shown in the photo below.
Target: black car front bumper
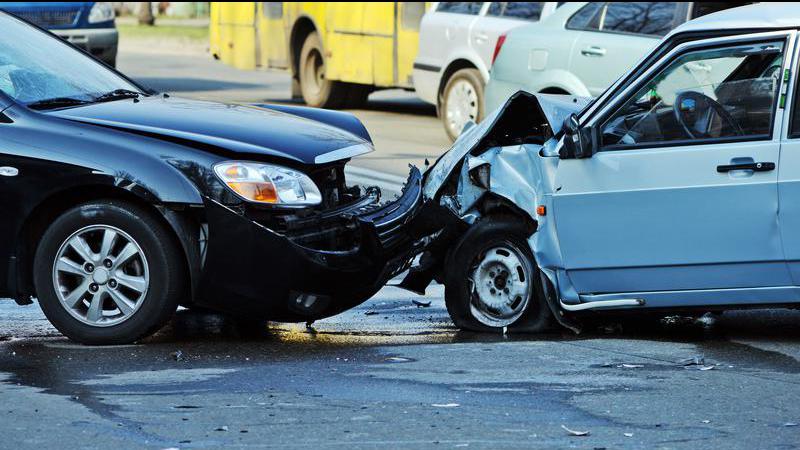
{"x": 253, "y": 270}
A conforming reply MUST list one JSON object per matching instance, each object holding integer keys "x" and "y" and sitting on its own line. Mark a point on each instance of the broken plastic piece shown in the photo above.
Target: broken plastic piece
{"x": 575, "y": 432}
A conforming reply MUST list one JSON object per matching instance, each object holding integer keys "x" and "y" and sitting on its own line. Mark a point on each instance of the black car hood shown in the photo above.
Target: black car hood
{"x": 234, "y": 128}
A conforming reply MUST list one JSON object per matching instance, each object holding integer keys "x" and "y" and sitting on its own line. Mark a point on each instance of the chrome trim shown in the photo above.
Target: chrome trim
{"x": 8, "y": 171}
{"x": 602, "y": 304}
{"x": 343, "y": 153}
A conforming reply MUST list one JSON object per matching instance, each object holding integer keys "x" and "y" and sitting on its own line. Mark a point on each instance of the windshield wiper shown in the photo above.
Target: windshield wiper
{"x": 117, "y": 94}
{"x": 57, "y": 102}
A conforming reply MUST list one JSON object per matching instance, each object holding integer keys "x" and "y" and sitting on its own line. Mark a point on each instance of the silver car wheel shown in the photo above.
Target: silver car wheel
{"x": 501, "y": 286}
{"x": 101, "y": 275}
{"x": 461, "y": 106}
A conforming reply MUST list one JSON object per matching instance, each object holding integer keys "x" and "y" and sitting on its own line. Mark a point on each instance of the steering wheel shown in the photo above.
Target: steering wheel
{"x": 702, "y": 109}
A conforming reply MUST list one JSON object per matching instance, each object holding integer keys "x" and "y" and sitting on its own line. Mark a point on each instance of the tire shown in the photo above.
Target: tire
{"x": 462, "y": 101}
{"x": 317, "y": 90}
{"x": 478, "y": 258}
{"x": 356, "y": 96}
{"x": 153, "y": 273}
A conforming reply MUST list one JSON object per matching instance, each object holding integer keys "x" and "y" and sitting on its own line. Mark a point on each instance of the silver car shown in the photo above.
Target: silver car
{"x": 456, "y": 46}
{"x": 675, "y": 189}
{"x": 583, "y": 47}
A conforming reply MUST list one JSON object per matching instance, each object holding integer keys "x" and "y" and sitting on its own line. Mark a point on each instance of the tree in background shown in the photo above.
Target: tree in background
{"x": 146, "y": 14}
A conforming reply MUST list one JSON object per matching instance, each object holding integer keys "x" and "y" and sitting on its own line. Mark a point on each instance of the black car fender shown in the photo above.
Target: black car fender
{"x": 70, "y": 170}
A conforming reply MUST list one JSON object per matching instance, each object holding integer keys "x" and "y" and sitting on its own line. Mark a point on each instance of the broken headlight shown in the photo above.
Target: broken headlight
{"x": 268, "y": 183}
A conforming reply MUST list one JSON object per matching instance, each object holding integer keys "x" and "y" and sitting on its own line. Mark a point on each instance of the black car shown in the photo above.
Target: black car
{"x": 120, "y": 204}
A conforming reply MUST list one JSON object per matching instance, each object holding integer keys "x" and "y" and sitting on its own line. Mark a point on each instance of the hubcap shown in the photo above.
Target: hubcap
{"x": 314, "y": 72}
{"x": 501, "y": 286}
{"x": 100, "y": 275}
{"x": 462, "y": 106}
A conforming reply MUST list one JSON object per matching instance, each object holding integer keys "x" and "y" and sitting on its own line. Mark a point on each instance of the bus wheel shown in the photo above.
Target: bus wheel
{"x": 317, "y": 90}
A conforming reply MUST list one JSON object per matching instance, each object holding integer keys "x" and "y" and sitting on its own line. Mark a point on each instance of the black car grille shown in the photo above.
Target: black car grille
{"x": 49, "y": 18}
{"x": 391, "y": 220}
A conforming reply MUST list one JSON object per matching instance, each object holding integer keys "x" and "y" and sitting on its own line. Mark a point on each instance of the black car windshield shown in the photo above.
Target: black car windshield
{"x": 38, "y": 70}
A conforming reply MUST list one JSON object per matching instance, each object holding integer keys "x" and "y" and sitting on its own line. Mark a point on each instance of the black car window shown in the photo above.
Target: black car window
{"x": 714, "y": 94}
{"x": 651, "y": 18}
{"x": 517, "y": 10}
{"x": 38, "y": 68}
{"x": 587, "y": 18}
{"x": 472, "y": 8}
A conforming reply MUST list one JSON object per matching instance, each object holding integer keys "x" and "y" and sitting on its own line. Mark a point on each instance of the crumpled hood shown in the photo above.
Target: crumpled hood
{"x": 234, "y": 128}
{"x": 524, "y": 115}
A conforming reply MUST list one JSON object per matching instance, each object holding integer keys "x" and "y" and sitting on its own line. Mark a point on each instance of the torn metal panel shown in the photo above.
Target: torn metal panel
{"x": 516, "y": 143}
{"x": 524, "y": 119}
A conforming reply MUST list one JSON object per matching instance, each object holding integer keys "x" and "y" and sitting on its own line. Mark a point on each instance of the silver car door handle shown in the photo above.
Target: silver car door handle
{"x": 593, "y": 51}
{"x": 481, "y": 38}
{"x": 754, "y": 166}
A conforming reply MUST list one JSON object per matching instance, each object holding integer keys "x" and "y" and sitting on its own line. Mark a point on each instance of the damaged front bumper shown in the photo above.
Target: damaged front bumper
{"x": 285, "y": 275}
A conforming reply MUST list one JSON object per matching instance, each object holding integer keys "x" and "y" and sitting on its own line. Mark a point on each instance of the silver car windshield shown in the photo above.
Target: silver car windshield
{"x": 39, "y": 70}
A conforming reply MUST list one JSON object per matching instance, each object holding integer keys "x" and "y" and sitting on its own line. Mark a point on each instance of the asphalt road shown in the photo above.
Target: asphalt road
{"x": 391, "y": 374}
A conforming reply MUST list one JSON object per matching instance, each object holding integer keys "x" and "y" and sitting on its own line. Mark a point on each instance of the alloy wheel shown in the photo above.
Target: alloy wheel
{"x": 101, "y": 275}
{"x": 461, "y": 106}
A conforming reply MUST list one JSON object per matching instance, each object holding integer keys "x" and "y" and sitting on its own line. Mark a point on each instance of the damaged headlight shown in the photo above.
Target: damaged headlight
{"x": 268, "y": 183}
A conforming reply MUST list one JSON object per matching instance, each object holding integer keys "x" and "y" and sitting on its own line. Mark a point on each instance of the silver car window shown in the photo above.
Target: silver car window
{"x": 712, "y": 94}
{"x": 649, "y": 18}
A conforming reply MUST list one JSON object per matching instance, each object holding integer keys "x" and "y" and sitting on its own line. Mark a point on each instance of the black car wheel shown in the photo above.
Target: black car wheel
{"x": 492, "y": 281}
{"x": 108, "y": 272}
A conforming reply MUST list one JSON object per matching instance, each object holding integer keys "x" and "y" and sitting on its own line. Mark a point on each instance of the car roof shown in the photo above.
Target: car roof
{"x": 759, "y": 16}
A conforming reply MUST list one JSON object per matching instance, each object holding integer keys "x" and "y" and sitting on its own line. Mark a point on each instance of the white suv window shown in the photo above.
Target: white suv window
{"x": 517, "y": 10}
{"x": 471, "y": 8}
{"x": 712, "y": 94}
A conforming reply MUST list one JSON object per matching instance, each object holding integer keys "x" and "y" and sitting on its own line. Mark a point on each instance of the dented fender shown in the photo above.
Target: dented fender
{"x": 518, "y": 144}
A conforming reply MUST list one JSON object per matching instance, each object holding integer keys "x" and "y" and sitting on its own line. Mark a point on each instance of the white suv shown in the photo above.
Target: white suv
{"x": 456, "y": 47}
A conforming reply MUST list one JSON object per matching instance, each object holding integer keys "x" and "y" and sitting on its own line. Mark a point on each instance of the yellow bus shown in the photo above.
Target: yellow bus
{"x": 337, "y": 53}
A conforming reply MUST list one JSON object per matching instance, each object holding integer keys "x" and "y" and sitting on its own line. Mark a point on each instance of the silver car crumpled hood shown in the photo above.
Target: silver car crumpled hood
{"x": 521, "y": 171}
{"x": 552, "y": 109}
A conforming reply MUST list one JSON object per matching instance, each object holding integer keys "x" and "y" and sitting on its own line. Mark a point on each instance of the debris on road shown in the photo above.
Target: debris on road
{"x": 575, "y": 432}
{"x": 397, "y": 359}
{"x": 177, "y": 355}
{"x": 697, "y": 363}
{"x": 707, "y": 320}
{"x": 790, "y": 424}
{"x": 627, "y": 434}
{"x": 699, "y": 360}
{"x": 370, "y": 313}
{"x": 421, "y": 304}
{"x": 445, "y": 405}
{"x": 222, "y": 428}
{"x": 630, "y": 366}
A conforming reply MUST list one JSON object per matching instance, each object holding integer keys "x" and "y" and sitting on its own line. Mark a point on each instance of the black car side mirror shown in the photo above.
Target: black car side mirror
{"x": 579, "y": 142}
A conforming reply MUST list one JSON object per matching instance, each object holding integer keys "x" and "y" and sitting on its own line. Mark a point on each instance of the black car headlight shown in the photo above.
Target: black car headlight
{"x": 268, "y": 183}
